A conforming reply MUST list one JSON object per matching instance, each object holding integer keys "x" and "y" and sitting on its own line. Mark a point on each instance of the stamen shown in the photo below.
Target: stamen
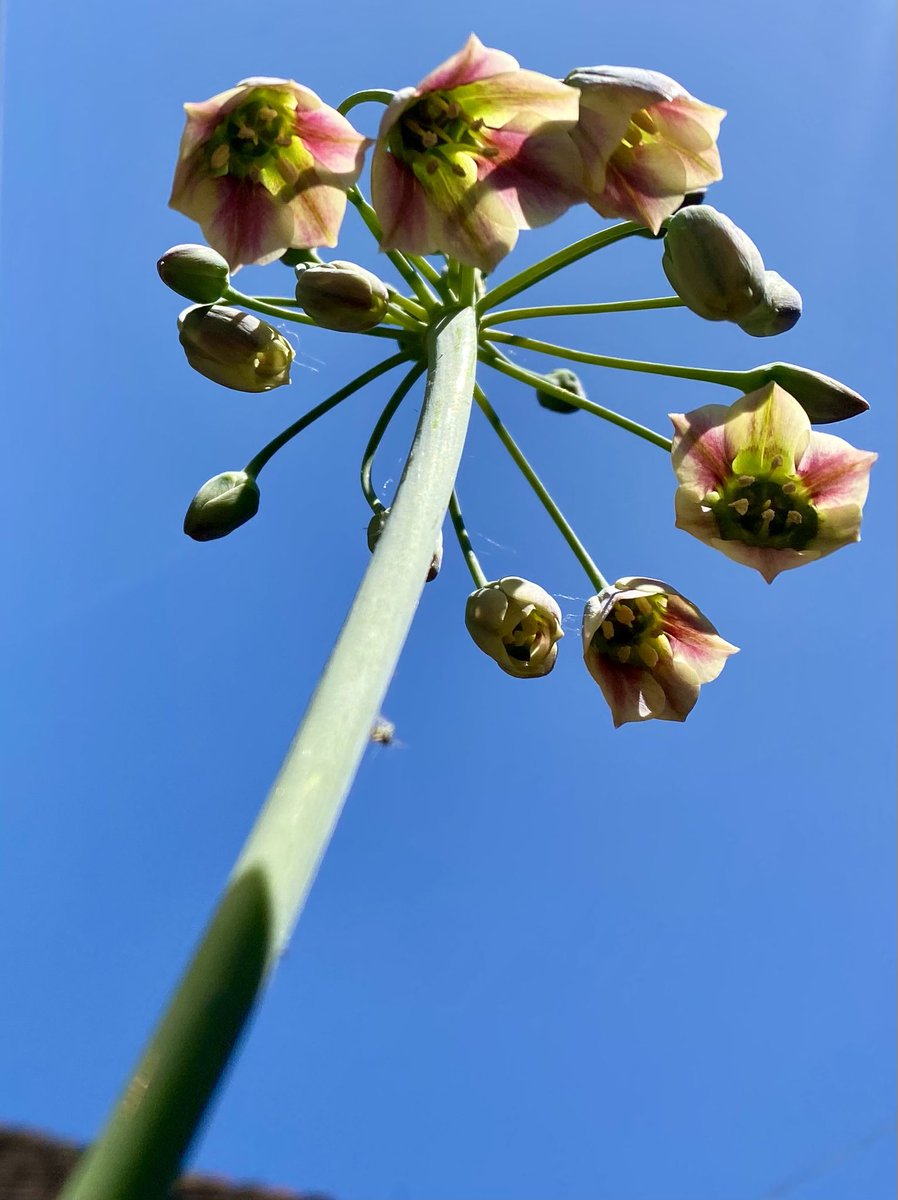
{"x": 746, "y": 480}
{"x": 607, "y": 630}
{"x": 767, "y": 515}
{"x": 283, "y": 140}
{"x": 776, "y": 461}
{"x": 623, "y": 653}
{"x": 662, "y": 642}
{"x": 643, "y": 605}
{"x": 648, "y": 654}
{"x": 220, "y": 156}
{"x": 267, "y": 114}
{"x": 741, "y": 506}
{"x": 624, "y": 614}
{"x": 793, "y": 517}
{"x": 789, "y": 487}
{"x": 247, "y": 135}
{"x": 431, "y": 166}
{"x": 457, "y": 169}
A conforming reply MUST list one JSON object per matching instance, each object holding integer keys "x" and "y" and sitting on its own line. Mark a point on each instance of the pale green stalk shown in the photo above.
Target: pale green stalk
{"x": 503, "y": 315}
{"x": 141, "y": 1148}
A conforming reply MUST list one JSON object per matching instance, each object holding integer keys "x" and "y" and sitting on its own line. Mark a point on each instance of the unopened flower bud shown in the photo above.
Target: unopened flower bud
{"x": 562, "y": 378}
{"x": 293, "y": 257}
{"x": 341, "y": 296}
{"x": 713, "y": 266}
{"x": 378, "y": 524}
{"x": 222, "y": 505}
{"x": 234, "y": 348}
{"x": 517, "y": 624}
{"x": 778, "y": 310}
{"x": 822, "y": 398}
{"x": 196, "y": 272}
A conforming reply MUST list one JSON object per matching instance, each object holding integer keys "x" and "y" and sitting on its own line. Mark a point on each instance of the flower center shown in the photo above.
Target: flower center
{"x": 633, "y": 632}
{"x": 642, "y": 128}
{"x": 529, "y": 638}
{"x": 770, "y": 508}
{"x": 253, "y": 136}
{"x": 434, "y": 130}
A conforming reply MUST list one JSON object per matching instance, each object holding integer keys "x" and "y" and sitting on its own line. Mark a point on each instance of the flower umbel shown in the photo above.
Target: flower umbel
{"x": 517, "y": 624}
{"x": 650, "y": 649}
{"x": 644, "y": 141}
{"x": 478, "y": 150}
{"x": 758, "y": 484}
{"x": 266, "y": 166}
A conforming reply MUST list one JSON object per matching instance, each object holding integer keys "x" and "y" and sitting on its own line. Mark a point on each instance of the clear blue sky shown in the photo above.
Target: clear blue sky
{"x": 542, "y": 959}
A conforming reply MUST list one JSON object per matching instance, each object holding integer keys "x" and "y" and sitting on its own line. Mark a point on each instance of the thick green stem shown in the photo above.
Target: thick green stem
{"x": 596, "y": 578}
{"x": 141, "y": 1149}
{"x": 379, "y": 430}
{"x": 557, "y": 261}
{"x": 734, "y": 379}
{"x": 522, "y": 375}
{"x": 579, "y": 310}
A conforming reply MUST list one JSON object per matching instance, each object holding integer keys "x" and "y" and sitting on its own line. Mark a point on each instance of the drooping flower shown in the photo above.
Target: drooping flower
{"x": 644, "y": 141}
{"x": 758, "y": 484}
{"x": 266, "y": 166}
{"x": 517, "y": 624}
{"x": 650, "y": 649}
{"x": 474, "y": 153}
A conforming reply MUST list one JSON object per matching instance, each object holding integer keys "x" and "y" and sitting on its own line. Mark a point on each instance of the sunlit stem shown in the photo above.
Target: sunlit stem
{"x": 399, "y": 261}
{"x": 369, "y": 95}
{"x": 577, "y": 310}
{"x": 464, "y": 541}
{"x": 532, "y": 379}
{"x": 283, "y": 314}
{"x": 378, "y": 432}
{"x": 467, "y": 284}
{"x": 735, "y": 379}
{"x": 400, "y": 316}
{"x": 595, "y": 575}
{"x": 557, "y": 261}
{"x": 140, "y": 1150}
{"x": 255, "y": 464}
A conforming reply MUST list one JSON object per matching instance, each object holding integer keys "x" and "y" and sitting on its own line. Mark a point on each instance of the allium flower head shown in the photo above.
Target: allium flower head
{"x": 478, "y": 150}
{"x": 644, "y": 141}
{"x": 757, "y": 483}
{"x": 266, "y": 166}
{"x": 649, "y": 649}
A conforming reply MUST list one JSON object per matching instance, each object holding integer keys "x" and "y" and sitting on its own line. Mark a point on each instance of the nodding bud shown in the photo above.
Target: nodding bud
{"x": 517, "y": 624}
{"x": 234, "y": 348}
{"x": 713, "y": 266}
{"x": 341, "y": 296}
{"x": 222, "y": 505}
{"x": 378, "y": 524}
{"x": 562, "y": 378}
{"x": 778, "y": 311}
{"x": 293, "y": 257}
{"x": 196, "y": 272}
{"x": 822, "y": 398}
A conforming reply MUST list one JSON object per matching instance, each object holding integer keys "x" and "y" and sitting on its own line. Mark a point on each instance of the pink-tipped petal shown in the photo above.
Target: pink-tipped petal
{"x": 699, "y": 454}
{"x": 333, "y": 143}
{"x": 536, "y": 176}
{"x": 474, "y": 61}
{"x": 400, "y": 201}
{"x": 834, "y": 472}
{"x": 765, "y": 424}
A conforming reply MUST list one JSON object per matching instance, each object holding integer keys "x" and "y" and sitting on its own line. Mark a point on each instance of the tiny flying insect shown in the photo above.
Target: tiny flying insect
{"x": 383, "y": 732}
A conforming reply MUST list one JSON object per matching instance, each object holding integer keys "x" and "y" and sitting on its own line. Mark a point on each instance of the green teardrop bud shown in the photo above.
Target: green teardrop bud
{"x": 713, "y": 266}
{"x": 822, "y": 398}
{"x": 234, "y": 348}
{"x": 566, "y": 379}
{"x": 222, "y": 505}
{"x": 341, "y": 296}
{"x": 196, "y": 272}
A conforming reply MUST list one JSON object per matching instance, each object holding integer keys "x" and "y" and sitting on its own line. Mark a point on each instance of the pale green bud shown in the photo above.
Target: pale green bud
{"x": 378, "y": 524}
{"x": 517, "y": 624}
{"x": 222, "y": 505}
{"x": 823, "y": 399}
{"x": 234, "y": 348}
{"x": 342, "y": 296}
{"x": 778, "y": 310}
{"x": 713, "y": 266}
{"x": 196, "y": 272}
{"x": 562, "y": 378}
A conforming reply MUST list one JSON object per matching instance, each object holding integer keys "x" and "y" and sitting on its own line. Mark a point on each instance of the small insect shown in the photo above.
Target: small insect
{"x": 383, "y": 732}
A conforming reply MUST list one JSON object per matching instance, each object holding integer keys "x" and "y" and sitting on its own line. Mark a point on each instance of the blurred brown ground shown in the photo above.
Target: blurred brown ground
{"x": 34, "y": 1166}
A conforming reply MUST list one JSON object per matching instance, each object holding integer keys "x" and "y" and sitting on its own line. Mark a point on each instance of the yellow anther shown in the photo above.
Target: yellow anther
{"x": 789, "y": 487}
{"x": 607, "y": 630}
{"x": 246, "y": 134}
{"x": 746, "y": 480}
{"x": 648, "y": 654}
{"x": 220, "y": 156}
{"x": 643, "y": 605}
{"x": 768, "y": 514}
{"x": 623, "y": 654}
{"x": 624, "y": 614}
{"x": 741, "y": 506}
{"x": 268, "y": 114}
{"x": 793, "y": 517}
{"x": 431, "y": 166}
{"x": 663, "y": 646}
{"x": 776, "y": 461}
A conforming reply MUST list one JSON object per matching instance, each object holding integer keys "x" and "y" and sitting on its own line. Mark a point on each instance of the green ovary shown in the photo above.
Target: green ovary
{"x": 252, "y": 138}
{"x": 771, "y": 509}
